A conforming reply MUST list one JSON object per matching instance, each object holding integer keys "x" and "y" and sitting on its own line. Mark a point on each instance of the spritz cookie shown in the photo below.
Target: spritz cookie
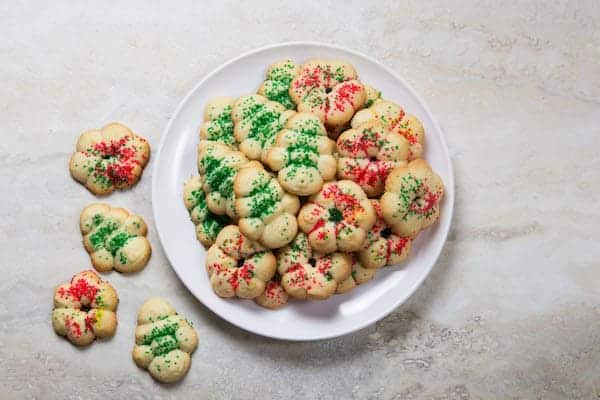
{"x": 266, "y": 213}
{"x": 274, "y": 296}
{"x": 276, "y": 86}
{"x": 208, "y": 224}
{"x": 411, "y": 201}
{"x": 164, "y": 341}
{"x": 358, "y": 275}
{"x": 238, "y": 266}
{"x": 218, "y": 124}
{"x": 108, "y": 159}
{"x": 302, "y": 154}
{"x": 328, "y": 89}
{"x": 85, "y": 309}
{"x": 337, "y": 218}
{"x": 114, "y": 238}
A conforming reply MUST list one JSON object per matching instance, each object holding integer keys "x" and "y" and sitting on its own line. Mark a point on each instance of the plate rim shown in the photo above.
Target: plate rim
{"x": 449, "y": 185}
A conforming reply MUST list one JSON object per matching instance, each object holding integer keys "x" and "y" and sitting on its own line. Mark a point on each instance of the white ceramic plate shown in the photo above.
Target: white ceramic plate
{"x": 308, "y": 320}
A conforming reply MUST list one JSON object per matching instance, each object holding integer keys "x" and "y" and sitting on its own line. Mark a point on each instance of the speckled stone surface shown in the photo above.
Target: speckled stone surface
{"x": 512, "y": 310}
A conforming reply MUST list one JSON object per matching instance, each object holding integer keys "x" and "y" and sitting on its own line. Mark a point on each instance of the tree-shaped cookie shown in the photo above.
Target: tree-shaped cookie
{"x": 257, "y": 121}
{"x": 368, "y": 153}
{"x": 84, "y": 309}
{"x": 308, "y": 275}
{"x": 108, "y": 159}
{"x": 358, "y": 276}
{"x": 328, "y": 89}
{"x": 303, "y": 155}
{"x": 208, "y": 224}
{"x": 218, "y": 166}
{"x": 114, "y": 238}
{"x": 218, "y": 124}
{"x": 383, "y": 247}
{"x": 266, "y": 213}
{"x": 164, "y": 341}
{"x": 337, "y": 218}
{"x": 238, "y": 266}
{"x": 276, "y": 86}
{"x": 411, "y": 201}
{"x": 394, "y": 117}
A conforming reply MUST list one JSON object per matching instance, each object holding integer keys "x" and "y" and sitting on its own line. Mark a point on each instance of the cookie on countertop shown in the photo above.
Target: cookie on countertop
{"x": 302, "y": 154}
{"x": 208, "y": 225}
{"x": 85, "y": 309}
{"x": 108, "y": 159}
{"x": 411, "y": 201}
{"x": 276, "y": 86}
{"x": 114, "y": 238}
{"x": 337, "y": 218}
{"x": 164, "y": 341}
{"x": 218, "y": 124}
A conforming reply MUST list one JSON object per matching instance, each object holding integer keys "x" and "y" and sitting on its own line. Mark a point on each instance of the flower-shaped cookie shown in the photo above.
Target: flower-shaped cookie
{"x": 218, "y": 124}
{"x": 277, "y": 85}
{"x": 114, "y": 238}
{"x": 266, "y": 213}
{"x": 328, "y": 89}
{"x": 411, "y": 201}
{"x": 382, "y": 246}
{"x": 308, "y": 275}
{"x": 208, "y": 225}
{"x": 394, "y": 117}
{"x": 257, "y": 121}
{"x": 337, "y": 218}
{"x": 108, "y": 159}
{"x": 164, "y": 341}
{"x": 368, "y": 153}
{"x": 84, "y": 309}
{"x": 274, "y": 296}
{"x": 302, "y": 153}
{"x": 358, "y": 276}
{"x": 218, "y": 166}
{"x": 238, "y": 266}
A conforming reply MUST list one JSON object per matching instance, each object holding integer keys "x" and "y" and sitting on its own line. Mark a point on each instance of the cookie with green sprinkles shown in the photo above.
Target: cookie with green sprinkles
{"x": 367, "y": 154}
{"x": 108, "y": 159}
{"x": 208, "y": 225}
{"x": 114, "y": 238}
{"x": 411, "y": 201}
{"x": 397, "y": 121}
{"x": 85, "y": 309}
{"x": 330, "y": 90}
{"x": 276, "y": 86}
{"x": 309, "y": 275}
{"x": 257, "y": 120}
{"x": 218, "y": 124}
{"x": 164, "y": 341}
{"x": 238, "y": 266}
{"x": 358, "y": 275}
{"x": 337, "y": 218}
{"x": 372, "y": 95}
{"x": 302, "y": 154}
{"x": 266, "y": 212}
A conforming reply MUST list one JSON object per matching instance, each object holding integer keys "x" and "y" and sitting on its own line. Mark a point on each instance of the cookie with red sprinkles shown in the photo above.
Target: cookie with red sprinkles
{"x": 85, "y": 309}
{"x": 108, "y": 159}
{"x": 274, "y": 296}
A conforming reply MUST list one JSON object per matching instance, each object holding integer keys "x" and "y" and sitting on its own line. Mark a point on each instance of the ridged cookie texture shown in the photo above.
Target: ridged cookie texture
{"x": 238, "y": 266}
{"x": 411, "y": 201}
{"x": 114, "y": 238}
{"x": 309, "y": 275}
{"x": 164, "y": 341}
{"x": 218, "y": 124}
{"x": 108, "y": 159}
{"x": 266, "y": 212}
{"x": 302, "y": 154}
{"x": 358, "y": 275}
{"x": 85, "y": 309}
{"x": 397, "y": 121}
{"x": 208, "y": 225}
{"x": 276, "y": 86}
{"x": 330, "y": 90}
{"x": 337, "y": 218}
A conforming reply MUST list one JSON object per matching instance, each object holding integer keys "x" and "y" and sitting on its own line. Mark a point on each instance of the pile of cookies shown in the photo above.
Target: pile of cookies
{"x": 85, "y": 308}
{"x": 308, "y": 187}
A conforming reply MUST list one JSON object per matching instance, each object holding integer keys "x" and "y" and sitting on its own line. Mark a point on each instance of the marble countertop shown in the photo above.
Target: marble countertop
{"x": 512, "y": 309}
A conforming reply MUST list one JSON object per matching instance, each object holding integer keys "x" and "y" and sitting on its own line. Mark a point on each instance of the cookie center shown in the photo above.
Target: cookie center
{"x": 386, "y": 233}
{"x": 328, "y": 90}
{"x": 335, "y": 215}
{"x": 241, "y": 263}
{"x": 85, "y": 308}
{"x": 312, "y": 261}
